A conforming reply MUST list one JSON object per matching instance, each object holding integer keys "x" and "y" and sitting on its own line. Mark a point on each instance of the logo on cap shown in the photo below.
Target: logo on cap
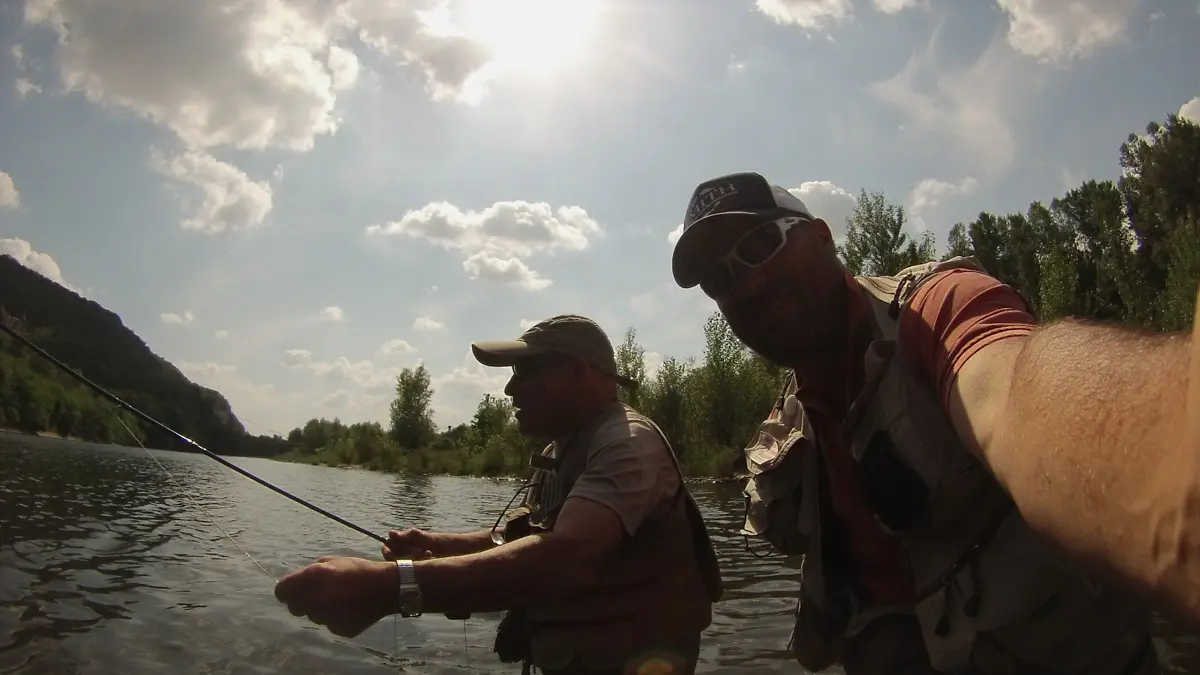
{"x": 708, "y": 198}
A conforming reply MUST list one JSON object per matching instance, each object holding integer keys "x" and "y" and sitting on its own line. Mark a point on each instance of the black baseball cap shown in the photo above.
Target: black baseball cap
{"x": 720, "y": 211}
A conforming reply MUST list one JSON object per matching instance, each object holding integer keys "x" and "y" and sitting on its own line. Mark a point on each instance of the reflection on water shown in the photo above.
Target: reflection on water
{"x": 107, "y": 566}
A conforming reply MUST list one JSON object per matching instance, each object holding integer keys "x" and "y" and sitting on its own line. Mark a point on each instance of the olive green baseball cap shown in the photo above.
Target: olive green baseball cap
{"x": 567, "y": 335}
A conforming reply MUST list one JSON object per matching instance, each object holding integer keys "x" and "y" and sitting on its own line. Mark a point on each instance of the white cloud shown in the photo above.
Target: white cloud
{"x": 9, "y": 196}
{"x": 362, "y": 373}
{"x": 427, "y": 323}
{"x": 453, "y": 65}
{"x": 896, "y": 6}
{"x": 494, "y": 241}
{"x": 973, "y": 105}
{"x": 294, "y": 358}
{"x": 828, "y": 202}
{"x": 396, "y": 346}
{"x": 1188, "y": 111}
{"x": 509, "y": 270}
{"x": 526, "y": 324}
{"x": 231, "y": 200}
{"x": 22, "y": 251}
{"x": 25, "y": 87}
{"x": 1060, "y": 30}
{"x": 177, "y": 319}
{"x": 929, "y": 193}
{"x": 674, "y": 235}
{"x": 222, "y": 334}
{"x": 240, "y": 74}
{"x": 252, "y": 75}
{"x": 255, "y": 73}
{"x": 808, "y": 14}
{"x": 333, "y": 313}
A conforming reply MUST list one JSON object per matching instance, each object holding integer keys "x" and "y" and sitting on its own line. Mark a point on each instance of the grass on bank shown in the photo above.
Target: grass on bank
{"x": 495, "y": 459}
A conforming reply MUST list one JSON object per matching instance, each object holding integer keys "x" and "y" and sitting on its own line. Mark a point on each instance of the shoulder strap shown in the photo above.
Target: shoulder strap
{"x": 887, "y": 294}
{"x": 705, "y": 553}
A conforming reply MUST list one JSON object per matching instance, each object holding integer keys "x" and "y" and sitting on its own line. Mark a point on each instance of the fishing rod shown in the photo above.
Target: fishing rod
{"x": 150, "y": 420}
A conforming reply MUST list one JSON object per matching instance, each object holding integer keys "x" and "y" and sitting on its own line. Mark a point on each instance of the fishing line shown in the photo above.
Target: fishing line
{"x": 195, "y": 503}
{"x": 150, "y": 420}
{"x": 198, "y": 505}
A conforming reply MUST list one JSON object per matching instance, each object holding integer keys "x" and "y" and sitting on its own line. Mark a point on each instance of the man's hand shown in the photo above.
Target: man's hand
{"x": 346, "y": 595}
{"x": 411, "y": 544}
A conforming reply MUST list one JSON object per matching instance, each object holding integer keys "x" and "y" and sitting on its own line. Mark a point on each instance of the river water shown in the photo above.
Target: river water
{"x": 108, "y": 565}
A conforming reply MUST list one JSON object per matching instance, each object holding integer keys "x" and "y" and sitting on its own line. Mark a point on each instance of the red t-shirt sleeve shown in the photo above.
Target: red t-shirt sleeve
{"x": 951, "y": 317}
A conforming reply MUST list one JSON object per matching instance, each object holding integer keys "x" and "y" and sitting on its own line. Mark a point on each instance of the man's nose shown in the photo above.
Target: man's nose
{"x": 748, "y": 282}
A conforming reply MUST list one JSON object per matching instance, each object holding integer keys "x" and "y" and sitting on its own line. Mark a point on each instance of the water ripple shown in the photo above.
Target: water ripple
{"x": 108, "y": 566}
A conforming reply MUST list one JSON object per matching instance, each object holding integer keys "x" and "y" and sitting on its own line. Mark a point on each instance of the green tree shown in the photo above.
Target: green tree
{"x": 492, "y": 418}
{"x": 876, "y": 240}
{"x": 631, "y": 362}
{"x": 1160, "y": 183}
{"x": 958, "y": 242}
{"x": 411, "y": 416}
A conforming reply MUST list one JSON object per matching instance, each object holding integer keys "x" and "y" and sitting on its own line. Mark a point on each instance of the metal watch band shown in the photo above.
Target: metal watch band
{"x": 408, "y": 592}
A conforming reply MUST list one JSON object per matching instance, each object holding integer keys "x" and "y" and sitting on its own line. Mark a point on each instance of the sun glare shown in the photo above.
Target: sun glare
{"x": 531, "y": 36}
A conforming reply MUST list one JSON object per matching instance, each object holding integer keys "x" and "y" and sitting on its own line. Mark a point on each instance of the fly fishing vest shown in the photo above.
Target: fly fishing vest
{"x": 656, "y": 589}
{"x": 992, "y": 598}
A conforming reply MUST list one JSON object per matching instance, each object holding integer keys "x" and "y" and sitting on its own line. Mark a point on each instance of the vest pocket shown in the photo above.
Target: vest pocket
{"x": 512, "y": 637}
{"x": 1012, "y": 588}
{"x": 774, "y": 492}
{"x": 894, "y": 492}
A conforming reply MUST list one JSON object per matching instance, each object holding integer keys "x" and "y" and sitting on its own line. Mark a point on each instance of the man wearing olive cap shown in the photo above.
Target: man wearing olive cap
{"x": 606, "y": 567}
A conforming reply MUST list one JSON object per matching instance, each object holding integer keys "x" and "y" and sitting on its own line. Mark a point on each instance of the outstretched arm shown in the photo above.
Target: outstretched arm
{"x": 1085, "y": 425}
{"x": 624, "y": 484}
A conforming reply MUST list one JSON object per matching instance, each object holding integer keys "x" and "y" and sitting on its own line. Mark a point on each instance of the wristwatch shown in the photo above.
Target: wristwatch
{"x": 408, "y": 592}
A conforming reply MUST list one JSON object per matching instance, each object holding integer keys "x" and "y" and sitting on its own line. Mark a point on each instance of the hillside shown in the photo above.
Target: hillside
{"x": 37, "y": 397}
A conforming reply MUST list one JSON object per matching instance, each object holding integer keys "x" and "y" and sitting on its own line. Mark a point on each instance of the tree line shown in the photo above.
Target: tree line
{"x": 1125, "y": 250}
{"x": 706, "y": 406}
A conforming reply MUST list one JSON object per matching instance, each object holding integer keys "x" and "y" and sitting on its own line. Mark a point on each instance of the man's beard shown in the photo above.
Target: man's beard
{"x": 795, "y": 340}
{"x": 781, "y": 350}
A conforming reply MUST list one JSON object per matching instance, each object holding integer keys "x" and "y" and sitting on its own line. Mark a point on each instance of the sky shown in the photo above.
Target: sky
{"x": 293, "y": 200}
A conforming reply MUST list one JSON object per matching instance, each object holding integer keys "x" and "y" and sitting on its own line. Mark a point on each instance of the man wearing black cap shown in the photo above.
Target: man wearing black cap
{"x": 606, "y": 567}
{"x": 891, "y": 458}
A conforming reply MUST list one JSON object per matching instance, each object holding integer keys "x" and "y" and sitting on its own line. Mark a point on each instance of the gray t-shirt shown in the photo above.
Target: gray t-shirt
{"x": 628, "y": 470}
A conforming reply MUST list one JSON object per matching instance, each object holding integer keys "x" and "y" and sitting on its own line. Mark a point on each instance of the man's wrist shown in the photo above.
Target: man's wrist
{"x": 407, "y": 591}
{"x": 387, "y": 584}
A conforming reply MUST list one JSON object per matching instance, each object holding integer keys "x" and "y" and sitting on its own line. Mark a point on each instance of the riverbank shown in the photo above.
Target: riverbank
{"x": 41, "y": 434}
{"x": 436, "y": 462}
{"x": 712, "y": 467}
